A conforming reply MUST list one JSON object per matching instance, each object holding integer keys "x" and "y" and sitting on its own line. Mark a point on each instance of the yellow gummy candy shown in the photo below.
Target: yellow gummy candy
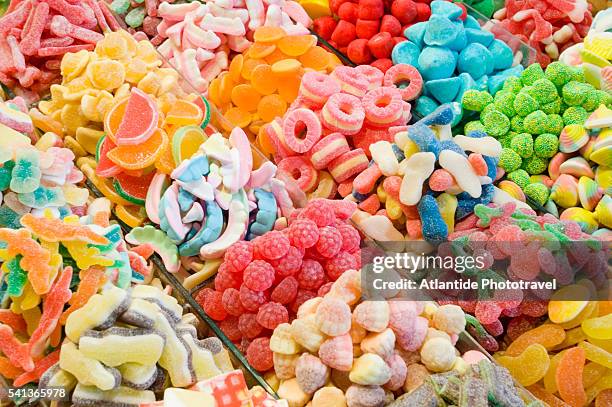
{"x": 528, "y": 367}
{"x": 560, "y": 311}
{"x": 592, "y": 373}
{"x": 596, "y": 354}
{"x": 394, "y": 209}
{"x": 599, "y": 328}
{"x": 88, "y": 371}
{"x": 589, "y": 311}
{"x": 448, "y": 206}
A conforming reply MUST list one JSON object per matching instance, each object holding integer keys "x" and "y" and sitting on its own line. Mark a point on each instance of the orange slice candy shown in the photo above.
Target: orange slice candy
{"x": 296, "y": 45}
{"x": 235, "y": 68}
{"x": 245, "y": 97}
{"x": 259, "y": 50}
{"x": 263, "y": 80}
{"x": 113, "y": 119}
{"x": 269, "y": 34}
{"x": 316, "y": 58}
{"x": 142, "y": 155}
{"x": 184, "y": 113}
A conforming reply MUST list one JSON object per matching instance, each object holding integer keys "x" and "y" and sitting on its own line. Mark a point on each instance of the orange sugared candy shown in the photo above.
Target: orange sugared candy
{"x": 296, "y": 45}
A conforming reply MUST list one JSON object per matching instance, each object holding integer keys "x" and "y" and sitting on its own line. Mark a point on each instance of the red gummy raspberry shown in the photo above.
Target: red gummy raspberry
{"x": 259, "y": 354}
{"x": 344, "y": 33}
{"x": 330, "y": 241}
{"x": 404, "y": 10}
{"x": 248, "y": 326}
{"x": 424, "y": 11}
{"x": 285, "y": 291}
{"x": 290, "y": 263}
{"x": 301, "y": 297}
{"x": 259, "y": 275}
{"x": 350, "y": 238}
{"x": 231, "y": 302}
{"x": 358, "y": 51}
{"x": 340, "y": 263}
{"x": 213, "y": 306}
{"x": 303, "y": 233}
{"x": 238, "y": 255}
{"x": 273, "y": 245}
{"x": 324, "y": 289}
{"x": 252, "y": 300}
{"x": 226, "y": 279}
{"x": 366, "y": 28}
{"x": 311, "y": 275}
{"x": 381, "y": 45}
{"x": 391, "y": 25}
{"x": 201, "y": 295}
{"x": 348, "y": 12}
{"x": 272, "y": 314}
{"x": 325, "y": 26}
{"x": 371, "y": 9}
{"x": 229, "y": 326}
{"x": 243, "y": 344}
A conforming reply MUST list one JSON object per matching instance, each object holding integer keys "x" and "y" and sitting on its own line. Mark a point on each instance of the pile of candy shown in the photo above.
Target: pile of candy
{"x": 263, "y": 282}
{"x": 36, "y": 34}
{"x": 453, "y": 54}
{"x": 549, "y": 26}
{"x": 484, "y": 7}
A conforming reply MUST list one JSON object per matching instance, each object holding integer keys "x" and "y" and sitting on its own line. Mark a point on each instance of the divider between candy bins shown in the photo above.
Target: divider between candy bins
{"x": 160, "y": 160}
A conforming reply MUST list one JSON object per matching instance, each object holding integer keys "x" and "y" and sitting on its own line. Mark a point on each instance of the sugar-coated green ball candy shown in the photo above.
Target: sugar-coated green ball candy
{"x": 487, "y": 109}
{"x": 544, "y": 91}
{"x": 554, "y": 124}
{"x": 474, "y": 125}
{"x": 513, "y": 84}
{"x": 575, "y": 93}
{"x": 504, "y": 102}
{"x": 546, "y": 145}
{"x": 509, "y": 160}
{"x": 534, "y": 165}
{"x": 517, "y": 124}
{"x": 476, "y": 100}
{"x": 577, "y": 73}
{"x": 558, "y": 73}
{"x": 535, "y": 122}
{"x": 575, "y": 115}
{"x": 496, "y": 123}
{"x": 524, "y": 104}
{"x": 505, "y": 141}
{"x": 523, "y": 144}
{"x": 553, "y": 107}
{"x": 531, "y": 74}
{"x": 595, "y": 98}
{"x": 538, "y": 192}
{"x": 520, "y": 177}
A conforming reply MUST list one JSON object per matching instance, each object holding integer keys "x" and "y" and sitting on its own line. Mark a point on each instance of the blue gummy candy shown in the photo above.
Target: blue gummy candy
{"x": 434, "y": 227}
{"x": 43, "y": 197}
{"x": 473, "y": 60}
{"x": 406, "y": 52}
{"x": 502, "y": 54}
{"x": 26, "y": 173}
{"x": 482, "y": 83}
{"x": 444, "y": 90}
{"x": 451, "y": 145}
{"x": 457, "y": 113}
{"x": 399, "y": 154}
{"x": 209, "y": 232}
{"x": 266, "y": 214}
{"x": 415, "y": 33}
{"x": 491, "y": 166}
{"x": 496, "y": 82}
{"x": 425, "y": 105}
{"x": 440, "y": 31}
{"x": 467, "y": 83}
{"x": 514, "y": 71}
{"x": 196, "y": 168}
{"x": 437, "y": 63}
{"x": 165, "y": 225}
{"x": 460, "y": 40}
{"x": 424, "y": 137}
{"x": 477, "y": 134}
{"x": 471, "y": 22}
{"x": 185, "y": 199}
{"x": 442, "y": 116}
{"x": 466, "y": 204}
{"x": 446, "y": 8}
{"x": 480, "y": 36}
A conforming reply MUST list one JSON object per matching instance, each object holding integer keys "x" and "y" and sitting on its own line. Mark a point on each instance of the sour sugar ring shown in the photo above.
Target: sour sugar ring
{"x": 318, "y": 87}
{"x": 348, "y": 165}
{"x": 398, "y": 74}
{"x": 343, "y": 113}
{"x": 298, "y": 121}
{"x": 351, "y": 81}
{"x": 301, "y": 170}
{"x": 373, "y": 75}
{"x": 327, "y": 149}
{"x": 383, "y": 105}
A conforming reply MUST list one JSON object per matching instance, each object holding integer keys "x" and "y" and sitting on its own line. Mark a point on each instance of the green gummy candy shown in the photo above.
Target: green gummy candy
{"x": 535, "y": 122}
{"x": 473, "y": 126}
{"x": 17, "y": 277}
{"x": 504, "y": 102}
{"x": 554, "y": 124}
{"x": 531, "y": 74}
{"x": 575, "y": 93}
{"x": 528, "y": 224}
{"x": 520, "y": 177}
{"x": 476, "y": 100}
{"x": 160, "y": 242}
{"x": 43, "y": 197}
{"x": 575, "y": 115}
{"x": 538, "y": 192}
{"x": 558, "y": 73}
{"x": 544, "y": 91}
{"x": 523, "y": 144}
{"x": 509, "y": 160}
{"x": 517, "y": 124}
{"x": 535, "y": 165}
{"x": 120, "y": 6}
{"x": 486, "y": 214}
{"x": 513, "y": 84}
{"x": 553, "y": 107}
{"x": 546, "y": 145}
{"x": 9, "y": 218}
{"x": 6, "y": 174}
{"x": 135, "y": 17}
{"x": 524, "y": 104}
{"x": 26, "y": 172}
{"x": 496, "y": 123}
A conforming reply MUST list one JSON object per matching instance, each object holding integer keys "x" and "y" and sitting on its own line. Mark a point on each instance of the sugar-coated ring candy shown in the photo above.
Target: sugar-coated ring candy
{"x": 351, "y": 81}
{"x": 343, "y": 113}
{"x": 307, "y": 178}
{"x": 383, "y": 105}
{"x": 373, "y": 75}
{"x": 348, "y": 164}
{"x": 318, "y": 87}
{"x": 313, "y": 130}
{"x": 327, "y": 149}
{"x": 400, "y": 73}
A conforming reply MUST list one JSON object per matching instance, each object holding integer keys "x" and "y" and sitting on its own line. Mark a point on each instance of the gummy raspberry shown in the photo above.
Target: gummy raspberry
{"x": 259, "y": 354}
{"x": 339, "y": 264}
{"x": 301, "y": 297}
{"x": 324, "y": 289}
{"x": 231, "y": 302}
{"x": 294, "y": 215}
{"x": 285, "y": 291}
{"x": 248, "y": 326}
{"x": 271, "y": 315}
{"x": 350, "y": 238}
{"x": 238, "y": 256}
{"x": 259, "y": 275}
{"x": 319, "y": 210}
{"x": 371, "y": 9}
{"x": 290, "y": 263}
{"x": 229, "y": 326}
{"x": 251, "y": 300}
{"x": 330, "y": 241}
{"x": 201, "y": 295}
{"x": 495, "y": 329}
{"x": 303, "y": 233}
{"x": 311, "y": 275}
{"x": 226, "y": 279}
{"x": 324, "y": 26}
{"x": 213, "y": 306}
{"x": 273, "y": 245}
